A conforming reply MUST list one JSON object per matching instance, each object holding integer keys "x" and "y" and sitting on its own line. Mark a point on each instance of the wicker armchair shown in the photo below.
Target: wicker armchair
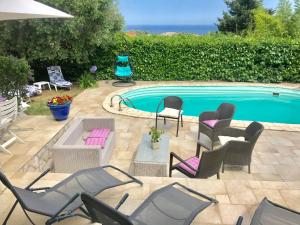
{"x": 211, "y": 123}
{"x": 240, "y": 152}
{"x": 207, "y": 165}
{"x": 172, "y": 109}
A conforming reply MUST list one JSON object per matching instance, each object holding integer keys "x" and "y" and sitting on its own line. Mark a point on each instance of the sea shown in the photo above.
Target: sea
{"x": 159, "y": 29}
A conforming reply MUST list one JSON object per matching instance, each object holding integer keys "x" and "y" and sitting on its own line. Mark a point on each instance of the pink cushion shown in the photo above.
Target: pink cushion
{"x": 96, "y": 141}
{"x": 210, "y": 123}
{"x": 193, "y": 162}
{"x": 99, "y": 133}
{"x": 2, "y": 99}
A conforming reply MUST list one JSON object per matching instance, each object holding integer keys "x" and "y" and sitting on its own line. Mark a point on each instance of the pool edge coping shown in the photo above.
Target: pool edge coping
{"x": 126, "y": 111}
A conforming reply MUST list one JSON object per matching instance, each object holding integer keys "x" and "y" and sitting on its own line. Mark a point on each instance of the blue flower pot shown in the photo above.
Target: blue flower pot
{"x": 60, "y": 112}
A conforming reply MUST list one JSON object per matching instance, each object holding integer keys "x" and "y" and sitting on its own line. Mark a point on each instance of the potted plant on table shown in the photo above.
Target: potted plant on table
{"x": 60, "y": 107}
{"x": 155, "y": 138}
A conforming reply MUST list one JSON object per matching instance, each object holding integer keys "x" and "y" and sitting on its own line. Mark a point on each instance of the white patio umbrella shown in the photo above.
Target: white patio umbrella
{"x": 28, "y": 9}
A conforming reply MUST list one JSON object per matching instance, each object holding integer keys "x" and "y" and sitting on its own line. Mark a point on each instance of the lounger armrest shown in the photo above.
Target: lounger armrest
{"x": 121, "y": 202}
{"x": 212, "y": 115}
{"x": 133, "y": 179}
{"x": 195, "y": 192}
{"x": 37, "y": 179}
{"x": 172, "y": 154}
{"x": 239, "y": 221}
{"x": 39, "y": 189}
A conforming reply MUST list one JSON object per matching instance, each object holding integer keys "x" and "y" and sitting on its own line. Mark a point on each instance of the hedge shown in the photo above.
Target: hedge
{"x": 228, "y": 58}
{"x": 191, "y": 57}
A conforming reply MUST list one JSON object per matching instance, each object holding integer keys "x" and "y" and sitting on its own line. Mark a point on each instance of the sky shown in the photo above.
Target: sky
{"x": 175, "y": 12}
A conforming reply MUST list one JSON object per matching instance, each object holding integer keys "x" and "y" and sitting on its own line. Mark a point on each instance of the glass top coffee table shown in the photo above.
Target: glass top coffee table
{"x": 149, "y": 162}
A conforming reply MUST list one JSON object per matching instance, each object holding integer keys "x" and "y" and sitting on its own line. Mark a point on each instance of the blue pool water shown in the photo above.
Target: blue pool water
{"x": 252, "y": 103}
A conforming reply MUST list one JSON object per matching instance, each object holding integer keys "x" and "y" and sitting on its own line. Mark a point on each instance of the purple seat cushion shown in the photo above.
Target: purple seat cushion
{"x": 99, "y": 133}
{"x": 193, "y": 162}
{"x": 210, "y": 123}
{"x": 96, "y": 141}
{"x": 97, "y": 136}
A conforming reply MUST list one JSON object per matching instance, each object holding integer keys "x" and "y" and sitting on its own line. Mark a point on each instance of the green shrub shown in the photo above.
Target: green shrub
{"x": 14, "y": 75}
{"x": 87, "y": 80}
{"x": 212, "y": 57}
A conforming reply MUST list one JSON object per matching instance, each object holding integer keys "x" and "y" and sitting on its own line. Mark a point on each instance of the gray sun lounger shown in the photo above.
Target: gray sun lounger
{"x": 269, "y": 213}
{"x": 166, "y": 206}
{"x": 62, "y": 200}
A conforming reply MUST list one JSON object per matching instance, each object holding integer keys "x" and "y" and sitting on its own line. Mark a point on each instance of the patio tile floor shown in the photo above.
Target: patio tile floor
{"x": 275, "y": 165}
{"x": 232, "y": 202}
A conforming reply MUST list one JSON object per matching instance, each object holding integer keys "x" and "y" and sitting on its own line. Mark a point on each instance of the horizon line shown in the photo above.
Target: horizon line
{"x": 170, "y": 25}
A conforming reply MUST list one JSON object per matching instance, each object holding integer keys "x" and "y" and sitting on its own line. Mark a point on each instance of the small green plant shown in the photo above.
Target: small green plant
{"x": 87, "y": 80}
{"x": 155, "y": 134}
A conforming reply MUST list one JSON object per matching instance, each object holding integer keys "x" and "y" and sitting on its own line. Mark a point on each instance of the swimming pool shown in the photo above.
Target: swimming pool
{"x": 252, "y": 103}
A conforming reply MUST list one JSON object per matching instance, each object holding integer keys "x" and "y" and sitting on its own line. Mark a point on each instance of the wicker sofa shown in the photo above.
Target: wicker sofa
{"x": 70, "y": 152}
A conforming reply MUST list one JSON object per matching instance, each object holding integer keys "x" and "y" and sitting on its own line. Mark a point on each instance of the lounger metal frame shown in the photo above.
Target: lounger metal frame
{"x": 240, "y": 219}
{"x": 56, "y": 71}
{"x": 123, "y": 219}
{"x": 60, "y": 215}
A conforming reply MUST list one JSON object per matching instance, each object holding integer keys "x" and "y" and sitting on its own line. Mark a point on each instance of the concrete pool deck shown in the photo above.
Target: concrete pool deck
{"x": 128, "y": 111}
{"x": 275, "y": 167}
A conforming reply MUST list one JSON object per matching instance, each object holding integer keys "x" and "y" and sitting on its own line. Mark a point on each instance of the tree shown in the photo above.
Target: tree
{"x": 297, "y": 4}
{"x": 294, "y": 24}
{"x": 267, "y": 25}
{"x": 73, "y": 40}
{"x": 284, "y": 11}
{"x": 239, "y": 16}
{"x": 14, "y": 74}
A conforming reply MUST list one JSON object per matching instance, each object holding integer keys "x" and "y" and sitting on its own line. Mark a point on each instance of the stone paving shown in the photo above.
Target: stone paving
{"x": 236, "y": 197}
{"x": 275, "y": 164}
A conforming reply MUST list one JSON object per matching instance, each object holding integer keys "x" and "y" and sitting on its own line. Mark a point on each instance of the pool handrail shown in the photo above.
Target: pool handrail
{"x": 124, "y": 100}
{"x": 112, "y": 98}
